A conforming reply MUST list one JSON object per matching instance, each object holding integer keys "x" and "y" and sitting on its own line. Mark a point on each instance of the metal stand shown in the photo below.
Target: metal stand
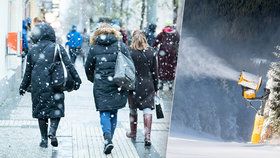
{"x": 248, "y": 103}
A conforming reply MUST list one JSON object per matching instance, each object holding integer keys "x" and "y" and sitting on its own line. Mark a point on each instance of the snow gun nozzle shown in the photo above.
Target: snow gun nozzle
{"x": 250, "y": 84}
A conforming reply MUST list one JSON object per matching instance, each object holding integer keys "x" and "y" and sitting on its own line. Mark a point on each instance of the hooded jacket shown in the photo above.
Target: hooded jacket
{"x": 100, "y": 68}
{"x": 46, "y": 102}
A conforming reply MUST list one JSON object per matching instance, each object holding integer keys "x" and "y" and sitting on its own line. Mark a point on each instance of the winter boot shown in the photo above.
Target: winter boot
{"x": 108, "y": 145}
{"x": 147, "y": 128}
{"x": 43, "y": 125}
{"x": 52, "y": 131}
{"x": 133, "y": 127}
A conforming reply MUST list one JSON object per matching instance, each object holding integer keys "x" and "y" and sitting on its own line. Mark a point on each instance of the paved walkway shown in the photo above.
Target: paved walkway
{"x": 79, "y": 133}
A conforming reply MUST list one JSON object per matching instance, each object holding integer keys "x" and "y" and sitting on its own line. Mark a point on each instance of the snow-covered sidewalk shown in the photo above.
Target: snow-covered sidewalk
{"x": 79, "y": 133}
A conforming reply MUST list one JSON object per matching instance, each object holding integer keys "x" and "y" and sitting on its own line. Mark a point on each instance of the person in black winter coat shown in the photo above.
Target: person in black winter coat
{"x": 100, "y": 68}
{"x": 47, "y": 103}
{"x": 142, "y": 97}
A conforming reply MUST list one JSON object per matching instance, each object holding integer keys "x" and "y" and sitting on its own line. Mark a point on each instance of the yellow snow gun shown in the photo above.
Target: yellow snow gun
{"x": 250, "y": 84}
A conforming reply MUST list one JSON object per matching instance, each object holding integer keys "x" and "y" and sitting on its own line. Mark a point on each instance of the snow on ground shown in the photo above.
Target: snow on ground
{"x": 193, "y": 148}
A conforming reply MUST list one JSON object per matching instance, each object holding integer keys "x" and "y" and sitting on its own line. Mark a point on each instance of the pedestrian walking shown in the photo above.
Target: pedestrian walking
{"x": 47, "y": 103}
{"x": 25, "y": 46}
{"x": 150, "y": 34}
{"x": 123, "y": 32}
{"x": 100, "y": 67}
{"x": 25, "y": 28}
{"x": 142, "y": 98}
{"x": 74, "y": 42}
{"x": 168, "y": 43}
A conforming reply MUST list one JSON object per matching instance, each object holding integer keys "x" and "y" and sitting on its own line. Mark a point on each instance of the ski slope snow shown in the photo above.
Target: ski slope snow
{"x": 193, "y": 148}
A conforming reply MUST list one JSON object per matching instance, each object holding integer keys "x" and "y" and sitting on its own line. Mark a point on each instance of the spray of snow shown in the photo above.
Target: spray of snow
{"x": 198, "y": 61}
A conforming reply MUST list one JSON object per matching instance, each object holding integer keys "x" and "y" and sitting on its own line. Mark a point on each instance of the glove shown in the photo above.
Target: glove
{"x": 77, "y": 86}
{"x": 21, "y": 92}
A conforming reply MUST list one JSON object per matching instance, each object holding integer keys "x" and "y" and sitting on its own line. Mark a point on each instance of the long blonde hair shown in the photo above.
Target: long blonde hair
{"x": 104, "y": 29}
{"x": 139, "y": 41}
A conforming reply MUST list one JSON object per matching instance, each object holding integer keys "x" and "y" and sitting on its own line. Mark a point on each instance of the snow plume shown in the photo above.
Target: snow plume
{"x": 199, "y": 61}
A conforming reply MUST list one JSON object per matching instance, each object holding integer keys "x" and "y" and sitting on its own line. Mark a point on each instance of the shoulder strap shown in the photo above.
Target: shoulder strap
{"x": 65, "y": 73}
{"x": 146, "y": 61}
{"x": 57, "y": 50}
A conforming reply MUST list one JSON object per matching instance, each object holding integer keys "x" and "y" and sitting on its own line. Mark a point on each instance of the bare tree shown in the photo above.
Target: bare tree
{"x": 108, "y": 7}
{"x": 121, "y": 8}
{"x": 142, "y": 14}
{"x": 175, "y": 10}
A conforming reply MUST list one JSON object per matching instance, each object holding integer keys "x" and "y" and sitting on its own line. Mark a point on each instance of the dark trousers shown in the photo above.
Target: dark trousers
{"x": 43, "y": 125}
{"x": 74, "y": 52}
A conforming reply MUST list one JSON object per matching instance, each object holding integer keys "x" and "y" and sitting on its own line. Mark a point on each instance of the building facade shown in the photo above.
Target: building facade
{"x": 10, "y": 61}
{"x": 11, "y": 16}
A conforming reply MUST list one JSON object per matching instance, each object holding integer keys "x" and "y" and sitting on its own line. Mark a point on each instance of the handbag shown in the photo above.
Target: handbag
{"x": 60, "y": 78}
{"x": 124, "y": 71}
{"x": 159, "y": 111}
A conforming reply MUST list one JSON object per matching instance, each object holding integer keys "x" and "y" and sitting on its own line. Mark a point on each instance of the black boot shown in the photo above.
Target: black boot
{"x": 43, "y": 125}
{"x": 52, "y": 132}
{"x": 108, "y": 145}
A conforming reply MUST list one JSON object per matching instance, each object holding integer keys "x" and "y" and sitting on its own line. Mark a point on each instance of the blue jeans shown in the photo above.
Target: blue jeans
{"x": 108, "y": 120}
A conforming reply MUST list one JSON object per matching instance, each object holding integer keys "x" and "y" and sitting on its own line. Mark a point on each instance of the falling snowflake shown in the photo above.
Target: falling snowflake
{"x": 57, "y": 112}
{"x": 60, "y": 106}
{"x": 97, "y": 76}
{"x": 103, "y": 37}
{"x": 41, "y": 56}
{"x": 162, "y": 53}
{"x": 57, "y": 96}
{"x": 103, "y": 59}
{"x": 110, "y": 78}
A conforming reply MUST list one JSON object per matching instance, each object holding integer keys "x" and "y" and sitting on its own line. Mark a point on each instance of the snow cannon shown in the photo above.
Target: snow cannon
{"x": 250, "y": 84}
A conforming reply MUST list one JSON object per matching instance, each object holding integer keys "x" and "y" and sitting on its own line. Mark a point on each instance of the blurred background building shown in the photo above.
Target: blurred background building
{"x": 11, "y": 24}
{"x": 13, "y": 12}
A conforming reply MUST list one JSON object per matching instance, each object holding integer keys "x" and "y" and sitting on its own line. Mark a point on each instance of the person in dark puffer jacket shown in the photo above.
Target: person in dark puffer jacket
{"x": 100, "y": 69}
{"x": 47, "y": 103}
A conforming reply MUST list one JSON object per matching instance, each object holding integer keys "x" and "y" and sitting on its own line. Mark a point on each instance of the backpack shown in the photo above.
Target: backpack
{"x": 124, "y": 71}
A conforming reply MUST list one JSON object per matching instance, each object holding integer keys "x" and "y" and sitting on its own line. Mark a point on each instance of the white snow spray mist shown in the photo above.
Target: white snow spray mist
{"x": 198, "y": 61}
